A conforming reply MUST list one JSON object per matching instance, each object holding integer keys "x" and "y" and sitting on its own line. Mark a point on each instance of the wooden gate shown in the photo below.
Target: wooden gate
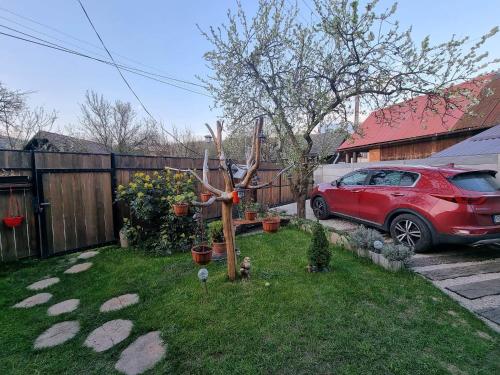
{"x": 75, "y": 209}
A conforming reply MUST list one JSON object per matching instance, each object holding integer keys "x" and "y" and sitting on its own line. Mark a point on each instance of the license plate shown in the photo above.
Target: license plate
{"x": 496, "y": 219}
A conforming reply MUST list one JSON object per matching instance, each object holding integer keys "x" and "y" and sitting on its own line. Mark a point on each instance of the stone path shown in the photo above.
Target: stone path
{"x": 57, "y": 334}
{"x": 42, "y": 284}
{"x": 35, "y": 300}
{"x": 143, "y": 354}
{"x": 120, "y": 302}
{"x": 109, "y": 334}
{"x": 77, "y": 268}
{"x": 63, "y": 307}
{"x": 469, "y": 275}
{"x": 87, "y": 255}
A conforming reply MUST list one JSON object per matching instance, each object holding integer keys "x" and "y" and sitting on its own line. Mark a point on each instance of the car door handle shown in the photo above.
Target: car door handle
{"x": 398, "y": 194}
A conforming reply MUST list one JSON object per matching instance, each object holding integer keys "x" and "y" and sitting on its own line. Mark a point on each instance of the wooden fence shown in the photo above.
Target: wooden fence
{"x": 67, "y": 200}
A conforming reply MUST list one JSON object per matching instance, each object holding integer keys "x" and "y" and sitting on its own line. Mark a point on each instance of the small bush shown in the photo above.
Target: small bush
{"x": 216, "y": 231}
{"x": 363, "y": 238}
{"x": 319, "y": 254}
{"x": 397, "y": 252}
{"x": 152, "y": 224}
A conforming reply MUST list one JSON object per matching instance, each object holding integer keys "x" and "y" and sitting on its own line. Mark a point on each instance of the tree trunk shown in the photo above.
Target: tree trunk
{"x": 301, "y": 205}
{"x": 227, "y": 220}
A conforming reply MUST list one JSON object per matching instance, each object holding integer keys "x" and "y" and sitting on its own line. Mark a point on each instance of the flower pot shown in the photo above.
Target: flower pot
{"x": 201, "y": 254}
{"x": 250, "y": 215}
{"x": 219, "y": 248}
{"x": 205, "y": 197}
{"x": 13, "y": 221}
{"x": 123, "y": 239}
{"x": 271, "y": 225}
{"x": 181, "y": 209}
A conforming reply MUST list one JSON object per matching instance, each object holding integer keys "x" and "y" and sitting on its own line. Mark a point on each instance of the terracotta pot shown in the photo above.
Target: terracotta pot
{"x": 219, "y": 248}
{"x": 201, "y": 254}
{"x": 13, "y": 221}
{"x": 205, "y": 197}
{"x": 271, "y": 225}
{"x": 250, "y": 215}
{"x": 181, "y": 209}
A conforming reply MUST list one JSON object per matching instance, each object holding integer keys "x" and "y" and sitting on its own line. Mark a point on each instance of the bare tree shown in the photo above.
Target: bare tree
{"x": 114, "y": 125}
{"x": 301, "y": 76}
{"x": 18, "y": 122}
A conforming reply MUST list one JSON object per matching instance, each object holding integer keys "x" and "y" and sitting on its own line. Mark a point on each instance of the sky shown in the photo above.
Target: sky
{"x": 163, "y": 36}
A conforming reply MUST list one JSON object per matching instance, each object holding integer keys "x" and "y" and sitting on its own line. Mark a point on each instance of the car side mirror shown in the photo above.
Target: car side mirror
{"x": 335, "y": 183}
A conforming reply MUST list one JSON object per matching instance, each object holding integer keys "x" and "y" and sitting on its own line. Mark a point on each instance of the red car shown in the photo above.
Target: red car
{"x": 419, "y": 206}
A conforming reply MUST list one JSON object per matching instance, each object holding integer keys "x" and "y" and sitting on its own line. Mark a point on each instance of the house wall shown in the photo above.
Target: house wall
{"x": 418, "y": 150}
{"x": 330, "y": 172}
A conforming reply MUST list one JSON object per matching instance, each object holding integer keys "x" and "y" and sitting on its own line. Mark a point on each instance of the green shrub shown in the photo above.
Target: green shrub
{"x": 152, "y": 224}
{"x": 363, "y": 238}
{"x": 397, "y": 252}
{"x": 319, "y": 254}
{"x": 216, "y": 231}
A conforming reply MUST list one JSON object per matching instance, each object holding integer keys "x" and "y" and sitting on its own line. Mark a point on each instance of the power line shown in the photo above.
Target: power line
{"x": 88, "y": 43}
{"x": 93, "y": 52}
{"x": 125, "y": 80}
{"x": 48, "y": 44}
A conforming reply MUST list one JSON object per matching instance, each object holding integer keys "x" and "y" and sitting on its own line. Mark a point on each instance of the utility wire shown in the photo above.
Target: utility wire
{"x": 126, "y": 82}
{"x": 46, "y": 43}
{"x": 88, "y": 43}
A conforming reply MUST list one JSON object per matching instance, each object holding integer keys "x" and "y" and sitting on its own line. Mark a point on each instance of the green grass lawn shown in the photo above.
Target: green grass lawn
{"x": 357, "y": 319}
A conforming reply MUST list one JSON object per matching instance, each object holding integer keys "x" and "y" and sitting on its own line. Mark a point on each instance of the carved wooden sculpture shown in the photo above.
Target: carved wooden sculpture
{"x": 226, "y": 196}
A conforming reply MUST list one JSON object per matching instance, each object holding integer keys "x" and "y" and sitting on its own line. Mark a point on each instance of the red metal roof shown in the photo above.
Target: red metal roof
{"x": 411, "y": 119}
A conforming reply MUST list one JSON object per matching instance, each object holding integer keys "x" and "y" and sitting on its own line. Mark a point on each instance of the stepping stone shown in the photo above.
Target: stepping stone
{"x": 87, "y": 255}
{"x": 477, "y": 289}
{"x": 37, "y": 299}
{"x": 57, "y": 334}
{"x": 63, "y": 307}
{"x": 79, "y": 268}
{"x": 42, "y": 284}
{"x": 143, "y": 354}
{"x": 119, "y": 302}
{"x": 109, "y": 334}
{"x": 454, "y": 272}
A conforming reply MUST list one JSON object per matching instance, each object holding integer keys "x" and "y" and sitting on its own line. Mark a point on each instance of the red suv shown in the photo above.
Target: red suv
{"x": 419, "y": 206}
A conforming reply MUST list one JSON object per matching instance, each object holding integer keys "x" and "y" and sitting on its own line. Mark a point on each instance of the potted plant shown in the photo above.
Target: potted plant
{"x": 201, "y": 254}
{"x": 216, "y": 237}
{"x": 251, "y": 210}
{"x": 180, "y": 205}
{"x": 204, "y": 197}
{"x": 271, "y": 223}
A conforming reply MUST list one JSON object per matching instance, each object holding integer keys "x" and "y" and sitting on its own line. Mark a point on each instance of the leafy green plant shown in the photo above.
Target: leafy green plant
{"x": 216, "y": 231}
{"x": 397, "y": 252}
{"x": 363, "y": 238}
{"x": 319, "y": 254}
{"x": 152, "y": 224}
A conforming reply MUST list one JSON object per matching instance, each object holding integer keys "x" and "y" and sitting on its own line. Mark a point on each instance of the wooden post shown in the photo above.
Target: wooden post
{"x": 227, "y": 221}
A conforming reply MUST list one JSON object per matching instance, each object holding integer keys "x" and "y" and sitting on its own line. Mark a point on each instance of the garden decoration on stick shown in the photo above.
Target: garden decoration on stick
{"x": 229, "y": 195}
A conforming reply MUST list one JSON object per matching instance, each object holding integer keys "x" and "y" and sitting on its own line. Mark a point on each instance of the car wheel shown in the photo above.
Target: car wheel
{"x": 411, "y": 231}
{"x": 320, "y": 208}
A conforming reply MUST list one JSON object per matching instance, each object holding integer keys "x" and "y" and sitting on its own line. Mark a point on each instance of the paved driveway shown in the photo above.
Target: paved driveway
{"x": 469, "y": 275}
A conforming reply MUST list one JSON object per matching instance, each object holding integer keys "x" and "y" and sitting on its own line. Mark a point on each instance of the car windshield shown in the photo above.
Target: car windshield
{"x": 476, "y": 181}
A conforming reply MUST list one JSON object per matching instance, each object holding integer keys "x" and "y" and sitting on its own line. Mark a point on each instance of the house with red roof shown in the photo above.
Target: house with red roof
{"x": 410, "y": 130}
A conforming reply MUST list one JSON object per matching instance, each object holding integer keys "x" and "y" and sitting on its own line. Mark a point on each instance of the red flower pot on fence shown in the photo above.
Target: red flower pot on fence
{"x": 201, "y": 254}
{"x": 13, "y": 221}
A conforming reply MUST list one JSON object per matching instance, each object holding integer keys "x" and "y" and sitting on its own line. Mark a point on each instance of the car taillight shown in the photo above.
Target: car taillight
{"x": 461, "y": 199}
